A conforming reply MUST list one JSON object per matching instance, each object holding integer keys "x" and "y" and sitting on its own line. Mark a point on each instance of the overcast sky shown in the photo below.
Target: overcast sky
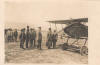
{"x": 38, "y": 12}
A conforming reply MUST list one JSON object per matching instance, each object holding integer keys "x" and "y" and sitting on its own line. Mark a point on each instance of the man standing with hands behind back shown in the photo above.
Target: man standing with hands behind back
{"x": 22, "y": 38}
{"x": 32, "y": 37}
{"x": 54, "y": 38}
{"x": 39, "y": 39}
{"x": 27, "y": 37}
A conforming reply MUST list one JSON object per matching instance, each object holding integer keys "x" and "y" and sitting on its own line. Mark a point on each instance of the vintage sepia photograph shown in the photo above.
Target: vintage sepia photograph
{"x": 46, "y": 32}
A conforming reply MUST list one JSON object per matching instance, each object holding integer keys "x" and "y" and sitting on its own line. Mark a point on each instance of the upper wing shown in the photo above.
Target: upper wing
{"x": 70, "y": 21}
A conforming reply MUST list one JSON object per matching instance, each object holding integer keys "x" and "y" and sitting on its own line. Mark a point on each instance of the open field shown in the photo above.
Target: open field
{"x": 14, "y": 54}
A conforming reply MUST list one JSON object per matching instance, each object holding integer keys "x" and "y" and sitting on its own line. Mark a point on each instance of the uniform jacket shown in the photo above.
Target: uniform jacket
{"x": 33, "y": 35}
{"x": 27, "y": 35}
{"x": 15, "y": 33}
{"x": 39, "y": 36}
{"x": 49, "y": 36}
{"x": 54, "y": 36}
{"x": 22, "y": 37}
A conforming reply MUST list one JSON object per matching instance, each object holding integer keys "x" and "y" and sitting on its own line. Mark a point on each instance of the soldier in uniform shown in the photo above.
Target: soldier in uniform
{"x": 39, "y": 38}
{"x": 54, "y": 38}
{"x": 15, "y": 35}
{"x": 22, "y": 38}
{"x": 12, "y": 35}
{"x": 9, "y": 35}
{"x": 5, "y": 35}
{"x": 49, "y": 38}
{"x": 32, "y": 37}
{"x": 27, "y": 37}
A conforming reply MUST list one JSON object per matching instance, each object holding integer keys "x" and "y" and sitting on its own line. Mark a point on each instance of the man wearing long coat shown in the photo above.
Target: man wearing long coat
{"x": 22, "y": 38}
{"x": 39, "y": 38}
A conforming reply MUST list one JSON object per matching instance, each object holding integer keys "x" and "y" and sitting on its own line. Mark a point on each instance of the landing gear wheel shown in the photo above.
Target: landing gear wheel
{"x": 84, "y": 50}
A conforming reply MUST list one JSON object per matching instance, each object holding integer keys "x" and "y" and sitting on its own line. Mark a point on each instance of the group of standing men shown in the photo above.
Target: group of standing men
{"x": 10, "y": 35}
{"x": 31, "y": 37}
{"x": 51, "y": 39}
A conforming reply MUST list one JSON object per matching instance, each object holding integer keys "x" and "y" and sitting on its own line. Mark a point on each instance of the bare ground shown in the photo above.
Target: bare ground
{"x": 14, "y": 54}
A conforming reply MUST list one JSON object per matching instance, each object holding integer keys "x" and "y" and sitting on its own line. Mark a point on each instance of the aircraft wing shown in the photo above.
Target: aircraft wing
{"x": 69, "y": 21}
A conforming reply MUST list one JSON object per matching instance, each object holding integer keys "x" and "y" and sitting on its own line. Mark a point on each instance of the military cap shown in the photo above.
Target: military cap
{"x": 49, "y": 28}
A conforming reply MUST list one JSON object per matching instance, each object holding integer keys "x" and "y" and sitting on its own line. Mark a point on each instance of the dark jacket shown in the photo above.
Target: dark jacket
{"x": 22, "y": 37}
{"x": 27, "y": 35}
{"x": 33, "y": 35}
{"x": 39, "y": 36}
{"x": 54, "y": 37}
{"x": 16, "y": 33}
{"x": 49, "y": 36}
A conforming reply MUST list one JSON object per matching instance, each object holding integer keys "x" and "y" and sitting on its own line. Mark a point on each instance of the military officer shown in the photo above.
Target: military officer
{"x": 39, "y": 38}
{"x": 15, "y": 35}
{"x": 54, "y": 38}
{"x": 32, "y": 37}
{"x": 22, "y": 38}
{"x": 49, "y": 38}
{"x": 27, "y": 37}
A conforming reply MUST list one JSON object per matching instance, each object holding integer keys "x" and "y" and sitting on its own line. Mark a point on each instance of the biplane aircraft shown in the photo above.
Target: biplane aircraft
{"x": 75, "y": 29}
